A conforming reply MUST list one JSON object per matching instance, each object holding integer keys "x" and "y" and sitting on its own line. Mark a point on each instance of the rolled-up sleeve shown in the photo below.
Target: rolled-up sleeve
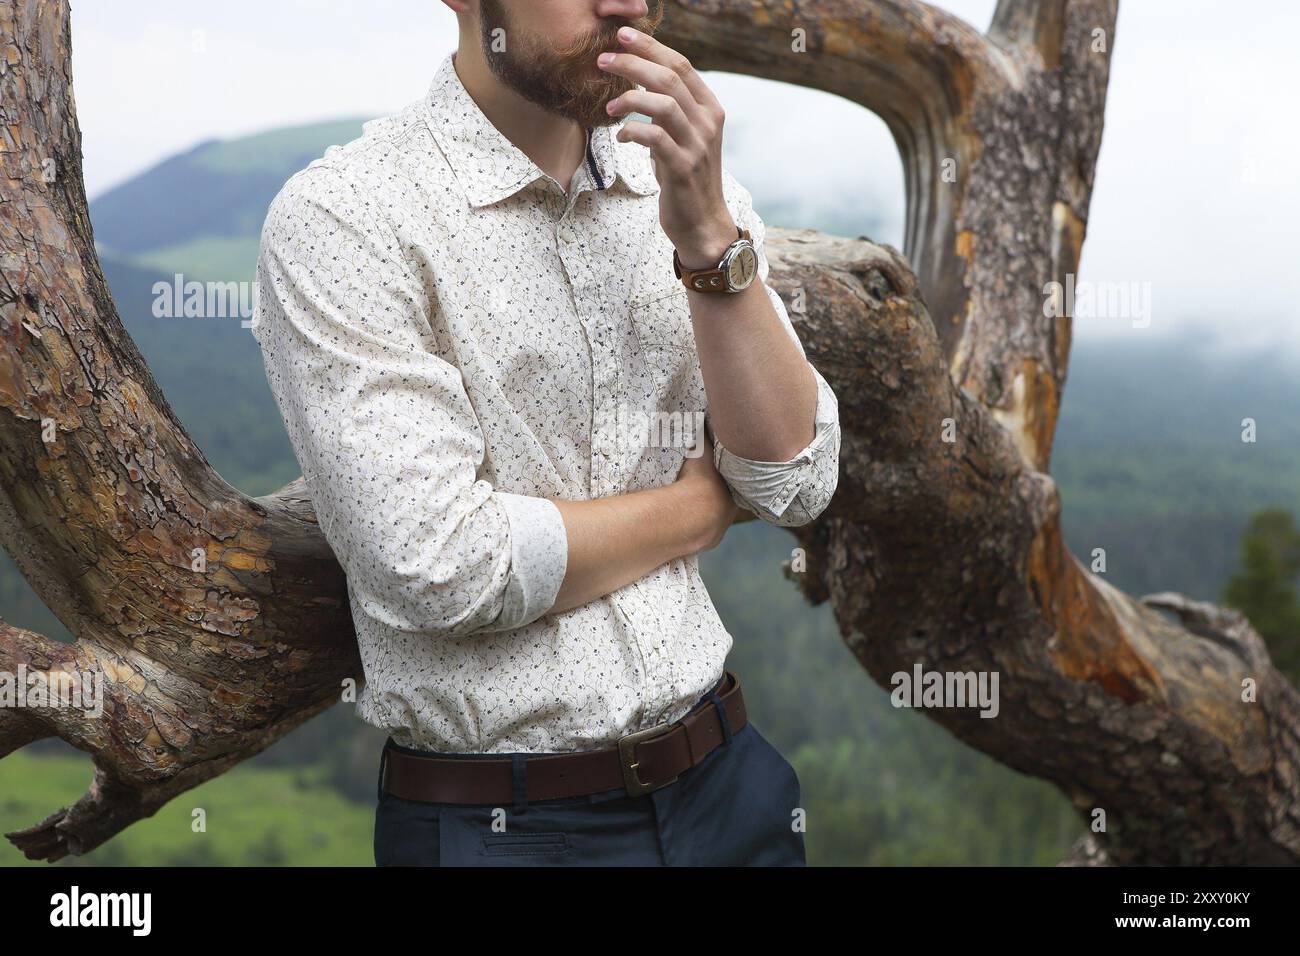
{"x": 794, "y": 492}
{"x": 382, "y": 427}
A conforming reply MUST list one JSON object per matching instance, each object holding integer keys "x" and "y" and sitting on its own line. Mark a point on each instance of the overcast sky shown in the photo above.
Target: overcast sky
{"x": 1197, "y": 192}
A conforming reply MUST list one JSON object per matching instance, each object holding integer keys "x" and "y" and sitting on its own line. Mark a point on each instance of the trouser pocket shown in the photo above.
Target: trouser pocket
{"x": 615, "y": 832}
{"x": 525, "y": 844}
{"x": 407, "y": 833}
{"x": 766, "y": 828}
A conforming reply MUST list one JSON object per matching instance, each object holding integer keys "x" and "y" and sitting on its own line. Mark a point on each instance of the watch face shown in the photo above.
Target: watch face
{"x": 743, "y": 267}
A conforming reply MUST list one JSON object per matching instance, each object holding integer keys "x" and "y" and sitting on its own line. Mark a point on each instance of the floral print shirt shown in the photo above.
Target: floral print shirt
{"x": 452, "y": 337}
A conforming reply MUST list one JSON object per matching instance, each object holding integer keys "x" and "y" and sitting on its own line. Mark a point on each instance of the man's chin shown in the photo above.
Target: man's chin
{"x": 603, "y": 119}
{"x": 592, "y": 114}
{"x": 595, "y": 110}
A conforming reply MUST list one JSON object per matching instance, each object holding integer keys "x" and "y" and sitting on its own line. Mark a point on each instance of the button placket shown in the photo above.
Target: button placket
{"x": 656, "y": 691}
{"x": 659, "y": 690}
{"x": 582, "y": 284}
{"x": 612, "y": 437}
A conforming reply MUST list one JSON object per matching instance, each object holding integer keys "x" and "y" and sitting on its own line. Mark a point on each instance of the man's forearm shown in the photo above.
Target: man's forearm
{"x": 617, "y": 540}
{"x": 761, "y": 391}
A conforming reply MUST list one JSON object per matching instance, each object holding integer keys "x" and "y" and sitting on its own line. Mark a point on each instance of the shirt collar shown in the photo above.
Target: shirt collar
{"x": 489, "y": 167}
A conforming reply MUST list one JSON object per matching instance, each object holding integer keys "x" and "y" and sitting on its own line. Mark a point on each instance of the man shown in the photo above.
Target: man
{"x": 474, "y": 326}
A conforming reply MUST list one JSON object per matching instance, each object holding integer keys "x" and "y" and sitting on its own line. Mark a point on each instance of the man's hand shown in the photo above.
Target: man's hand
{"x": 761, "y": 390}
{"x": 685, "y": 142}
{"x": 708, "y": 495}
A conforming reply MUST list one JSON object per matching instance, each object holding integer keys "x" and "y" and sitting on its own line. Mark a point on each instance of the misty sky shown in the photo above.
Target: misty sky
{"x": 1197, "y": 190}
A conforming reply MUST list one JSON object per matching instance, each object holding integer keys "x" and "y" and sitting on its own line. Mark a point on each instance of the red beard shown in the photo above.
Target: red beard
{"x": 563, "y": 80}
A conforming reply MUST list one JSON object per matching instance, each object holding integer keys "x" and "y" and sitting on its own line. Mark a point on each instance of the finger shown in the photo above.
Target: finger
{"x": 661, "y": 145}
{"x": 644, "y": 45}
{"x": 663, "y": 109}
{"x": 653, "y": 76}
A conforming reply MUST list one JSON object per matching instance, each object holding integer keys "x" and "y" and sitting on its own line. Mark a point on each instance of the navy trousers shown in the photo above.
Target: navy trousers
{"x": 739, "y": 806}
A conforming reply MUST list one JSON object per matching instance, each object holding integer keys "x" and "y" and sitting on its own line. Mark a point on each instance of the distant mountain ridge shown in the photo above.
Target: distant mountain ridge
{"x": 200, "y": 213}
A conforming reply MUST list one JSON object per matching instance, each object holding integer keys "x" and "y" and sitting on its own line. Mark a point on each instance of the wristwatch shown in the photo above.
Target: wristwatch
{"x": 734, "y": 273}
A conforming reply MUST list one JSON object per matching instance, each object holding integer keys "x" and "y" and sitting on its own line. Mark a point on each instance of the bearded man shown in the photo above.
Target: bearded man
{"x": 460, "y": 313}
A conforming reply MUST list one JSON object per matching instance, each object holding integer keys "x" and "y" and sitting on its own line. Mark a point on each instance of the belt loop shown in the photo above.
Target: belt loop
{"x": 519, "y": 781}
{"x": 383, "y": 765}
{"x": 722, "y": 716}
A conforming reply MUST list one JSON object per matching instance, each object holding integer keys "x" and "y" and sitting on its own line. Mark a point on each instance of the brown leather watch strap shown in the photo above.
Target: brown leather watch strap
{"x": 705, "y": 280}
{"x": 642, "y": 761}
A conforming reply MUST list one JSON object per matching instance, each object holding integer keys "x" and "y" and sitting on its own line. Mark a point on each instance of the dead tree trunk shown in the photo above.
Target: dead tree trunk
{"x": 222, "y": 622}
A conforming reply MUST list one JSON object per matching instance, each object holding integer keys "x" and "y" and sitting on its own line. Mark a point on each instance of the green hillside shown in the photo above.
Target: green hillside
{"x": 200, "y": 213}
{"x": 247, "y": 817}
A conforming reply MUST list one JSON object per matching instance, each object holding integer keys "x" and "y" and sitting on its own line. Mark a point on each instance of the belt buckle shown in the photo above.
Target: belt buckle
{"x": 627, "y": 759}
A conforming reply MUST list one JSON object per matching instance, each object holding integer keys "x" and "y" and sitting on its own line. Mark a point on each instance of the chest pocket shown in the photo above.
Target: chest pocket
{"x": 665, "y": 341}
{"x": 665, "y": 385}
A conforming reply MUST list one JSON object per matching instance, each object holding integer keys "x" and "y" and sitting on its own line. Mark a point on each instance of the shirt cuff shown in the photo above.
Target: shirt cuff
{"x": 539, "y": 556}
{"x": 767, "y": 487}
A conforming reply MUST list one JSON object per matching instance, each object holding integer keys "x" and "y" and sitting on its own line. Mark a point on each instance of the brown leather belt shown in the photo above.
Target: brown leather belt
{"x": 640, "y": 762}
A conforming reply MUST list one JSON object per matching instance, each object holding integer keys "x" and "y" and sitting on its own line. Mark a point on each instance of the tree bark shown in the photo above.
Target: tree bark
{"x": 109, "y": 507}
{"x": 221, "y": 621}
